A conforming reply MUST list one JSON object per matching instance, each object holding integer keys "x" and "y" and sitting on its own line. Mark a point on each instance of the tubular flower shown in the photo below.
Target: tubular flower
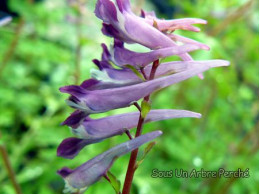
{"x": 79, "y": 179}
{"x": 95, "y": 130}
{"x": 110, "y": 77}
{"x": 168, "y": 26}
{"x": 123, "y": 57}
{"x": 121, "y": 23}
{"x": 124, "y": 77}
{"x": 98, "y": 101}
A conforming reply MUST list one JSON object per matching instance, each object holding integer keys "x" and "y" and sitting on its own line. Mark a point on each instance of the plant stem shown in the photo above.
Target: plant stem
{"x": 10, "y": 170}
{"x": 137, "y": 106}
{"x": 129, "y": 134}
{"x": 132, "y": 162}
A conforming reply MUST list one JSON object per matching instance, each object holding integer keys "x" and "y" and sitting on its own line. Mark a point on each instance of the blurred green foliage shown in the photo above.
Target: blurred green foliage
{"x": 43, "y": 50}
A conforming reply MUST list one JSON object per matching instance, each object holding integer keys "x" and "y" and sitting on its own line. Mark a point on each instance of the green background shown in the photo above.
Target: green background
{"x": 38, "y": 54}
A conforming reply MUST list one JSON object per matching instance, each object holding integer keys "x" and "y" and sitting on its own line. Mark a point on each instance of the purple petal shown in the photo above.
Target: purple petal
{"x": 93, "y": 84}
{"x": 172, "y": 25}
{"x": 91, "y": 171}
{"x": 112, "y": 78}
{"x": 64, "y": 172}
{"x": 70, "y": 147}
{"x": 75, "y": 119}
{"x": 123, "y": 5}
{"x": 188, "y": 41}
{"x": 124, "y": 57}
{"x": 111, "y": 31}
{"x": 106, "y": 56}
{"x": 76, "y": 91}
{"x": 180, "y": 66}
{"x": 106, "y": 11}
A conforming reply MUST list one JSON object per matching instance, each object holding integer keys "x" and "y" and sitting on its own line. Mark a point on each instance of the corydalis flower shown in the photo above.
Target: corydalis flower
{"x": 95, "y": 130}
{"x": 121, "y": 23}
{"x": 110, "y": 77}
{"x": 122, "y": 56}
{"x": 98, "y": 101}
{"x": 169, "y": 26}
{"x": 79, "y": 179}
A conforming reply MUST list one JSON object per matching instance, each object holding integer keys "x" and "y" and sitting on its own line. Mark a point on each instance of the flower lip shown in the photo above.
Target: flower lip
{"x": 70, "y": 147}
{"x": 75, "y": 119}
{"x": 106, "y": 10}
{"x": 64, "y": 172}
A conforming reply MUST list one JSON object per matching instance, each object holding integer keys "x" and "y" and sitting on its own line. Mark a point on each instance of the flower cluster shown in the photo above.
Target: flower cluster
{"x": 123, "y": 77}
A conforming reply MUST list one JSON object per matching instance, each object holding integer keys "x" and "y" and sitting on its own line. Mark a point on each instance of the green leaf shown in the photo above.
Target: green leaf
{"x": 116, "y": 184}
{"x": 145, "y": 108}
{"x": 136, "y": 72}
{"x": 146, "y": 151}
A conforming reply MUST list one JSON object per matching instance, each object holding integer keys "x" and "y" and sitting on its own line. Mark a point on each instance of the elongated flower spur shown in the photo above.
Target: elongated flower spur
{"x": 123, "y": 78}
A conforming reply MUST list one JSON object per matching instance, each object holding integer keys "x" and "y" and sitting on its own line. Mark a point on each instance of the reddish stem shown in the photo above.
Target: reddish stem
{"x": 142, "y": 71}
{"x": 129, "y": 134}
{"x": 132, "y": 162}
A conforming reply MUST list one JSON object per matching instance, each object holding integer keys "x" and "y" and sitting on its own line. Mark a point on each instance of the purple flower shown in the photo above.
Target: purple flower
{"x": 121, "y": 23}
{"x": 122, "y": 56}
{"x": 79, "y": 179}
{"x": 169, "y": 26}
{"x": 95, "y": 130}
{"x": 98, "y": 101}
{"x": 110, "y": 77}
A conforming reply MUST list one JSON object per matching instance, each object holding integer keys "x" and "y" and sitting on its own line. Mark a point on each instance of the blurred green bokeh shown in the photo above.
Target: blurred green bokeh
{"x": 39, "y": 52}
